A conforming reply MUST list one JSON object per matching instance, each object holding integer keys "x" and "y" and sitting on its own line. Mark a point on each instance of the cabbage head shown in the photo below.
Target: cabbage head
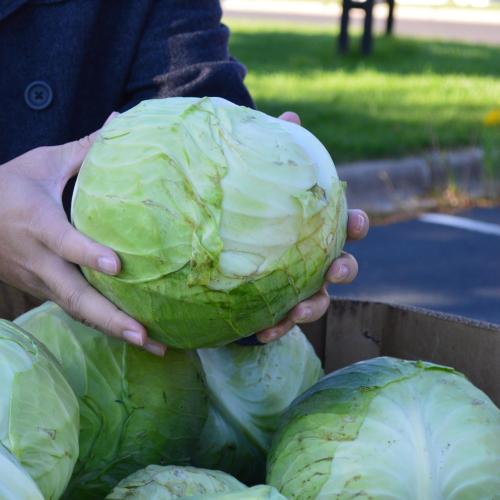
{"x": 260, "y": 492}
{"x": 389, "y": 428}
{"x": 224, "y": 218}
{"x": 38, "y": 412}
{"x": 171, "y": 482}
{"x": 15, "y": 482}
{"x": 135, "y": 408}
{"x": 249, "y": 388}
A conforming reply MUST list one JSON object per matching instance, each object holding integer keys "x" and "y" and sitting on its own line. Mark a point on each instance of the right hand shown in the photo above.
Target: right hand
{"x": 39, "y": 247}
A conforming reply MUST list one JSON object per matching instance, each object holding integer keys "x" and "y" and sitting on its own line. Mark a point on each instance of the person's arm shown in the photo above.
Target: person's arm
{"x": 184, "y": 52}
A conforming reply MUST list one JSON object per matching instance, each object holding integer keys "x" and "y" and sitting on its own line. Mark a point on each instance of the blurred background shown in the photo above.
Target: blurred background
{"x": 427, "y": 86}
{"x": 413, "y": 127}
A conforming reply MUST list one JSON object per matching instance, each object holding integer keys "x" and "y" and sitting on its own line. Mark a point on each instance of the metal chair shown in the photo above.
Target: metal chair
{"x": 367, "y": 39}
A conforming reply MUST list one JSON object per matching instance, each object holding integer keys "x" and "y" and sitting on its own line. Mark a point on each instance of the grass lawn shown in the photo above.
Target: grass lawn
{"x": 409, "y": 96}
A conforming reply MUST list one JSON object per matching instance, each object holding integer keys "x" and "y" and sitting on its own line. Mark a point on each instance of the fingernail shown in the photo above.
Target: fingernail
{"x": 304, "y": 313}
{"x": 359, "y": 223}
{"x": 270, "y": 336}
{"x": 107, "y": 265}
{"x": 133, "y": 337}
{"x": 156, "y": 349}
{"x": 341, "y": 272}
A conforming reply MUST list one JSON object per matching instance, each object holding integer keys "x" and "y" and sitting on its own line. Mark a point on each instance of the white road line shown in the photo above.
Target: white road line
{"x": 461, "y": 223}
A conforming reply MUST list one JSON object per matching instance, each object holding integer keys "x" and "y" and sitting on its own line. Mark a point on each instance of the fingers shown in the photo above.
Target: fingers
{"x": 277, "y": 331}
{"x": 73, "y": 153}
{"x": 312, "y": 308}
{"x": 358, "y": 224}
{"x": 53, "y": 229}
{"x": 290, "y": 116}
{"x": 304, "y": 312}
{"x": 155, "y": 348}
{"x": 343, "y": 269}
{"x": 72, "y": 292}
{"x": 110, "y": 118}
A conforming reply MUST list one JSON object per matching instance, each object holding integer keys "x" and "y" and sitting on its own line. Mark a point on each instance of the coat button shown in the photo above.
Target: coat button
{"x": 38, "y": 95}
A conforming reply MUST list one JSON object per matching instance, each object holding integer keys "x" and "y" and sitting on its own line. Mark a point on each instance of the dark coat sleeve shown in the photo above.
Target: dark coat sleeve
{"x": 184, "y": 52}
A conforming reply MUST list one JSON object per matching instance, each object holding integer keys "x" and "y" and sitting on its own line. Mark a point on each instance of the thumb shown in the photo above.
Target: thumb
{"x": 290, "y": 116}
{"x": 73, "y": 153}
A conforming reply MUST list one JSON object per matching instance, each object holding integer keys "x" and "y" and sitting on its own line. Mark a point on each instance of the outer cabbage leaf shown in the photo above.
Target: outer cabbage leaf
{"x": 38, "y": 411}
{"x": 171, "y": 482}
{"x": 135, "y": 408}
{"x": 260, "y": 492}
{"x": 387, "y": 428}
{"x": 223, "y": 217}
{"x": 15, "y": 482}
{"x": 249, "y": 388}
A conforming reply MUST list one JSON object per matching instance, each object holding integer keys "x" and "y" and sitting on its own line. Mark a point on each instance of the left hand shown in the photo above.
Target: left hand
{"x": 343, "y": 270}
{"x": 40, "y": 250}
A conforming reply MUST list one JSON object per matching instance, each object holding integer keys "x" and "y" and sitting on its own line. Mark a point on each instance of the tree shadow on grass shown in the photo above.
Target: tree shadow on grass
{"x": 289, "y": 51}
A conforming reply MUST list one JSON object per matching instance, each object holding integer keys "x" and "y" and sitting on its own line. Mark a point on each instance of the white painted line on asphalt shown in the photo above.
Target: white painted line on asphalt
{"x": 461, "y": 223}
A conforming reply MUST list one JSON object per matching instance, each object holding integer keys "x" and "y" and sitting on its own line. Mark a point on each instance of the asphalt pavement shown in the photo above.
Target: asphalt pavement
{"x": 447, "y": 263}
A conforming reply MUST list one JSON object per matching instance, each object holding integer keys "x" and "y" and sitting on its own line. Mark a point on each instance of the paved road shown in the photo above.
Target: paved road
{"x": 422, "y": 28}
{"x": 433, "y": 264}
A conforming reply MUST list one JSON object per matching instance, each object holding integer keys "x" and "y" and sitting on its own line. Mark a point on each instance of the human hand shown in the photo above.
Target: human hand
{"x": 343, "y": 270}
{"x": 39, "y": 247}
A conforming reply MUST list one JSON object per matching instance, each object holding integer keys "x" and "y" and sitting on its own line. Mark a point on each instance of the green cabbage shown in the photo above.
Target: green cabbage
{"x": 15, "y": 482}
{"x": 135, "y": 408}
{"x": 171, "y": 482}
{"x": 224, "y": 218}
{"x": 249, "y": 388}
{"x": 260, "y": 492}
{"x": 38, "y": 411}
{"x": 389, "y": 429}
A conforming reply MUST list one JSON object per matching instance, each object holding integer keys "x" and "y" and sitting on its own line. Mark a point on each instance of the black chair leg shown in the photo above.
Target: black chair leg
{"x": 344, "y": 26}
{"x": 367, "y": 40}
{"x": 390, "y": 18}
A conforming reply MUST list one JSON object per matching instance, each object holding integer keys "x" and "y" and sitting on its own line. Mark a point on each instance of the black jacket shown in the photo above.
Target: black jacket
{"x": 65, "y": 65}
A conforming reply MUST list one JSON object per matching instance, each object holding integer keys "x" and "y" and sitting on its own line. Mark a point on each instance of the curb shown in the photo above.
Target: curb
{"x": 385, "y": 187}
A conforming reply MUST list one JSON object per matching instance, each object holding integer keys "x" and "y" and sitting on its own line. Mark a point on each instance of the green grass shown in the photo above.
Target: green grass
{"x": 409, "y": 96}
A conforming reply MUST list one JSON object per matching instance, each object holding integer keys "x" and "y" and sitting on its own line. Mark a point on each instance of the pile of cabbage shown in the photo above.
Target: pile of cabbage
{"x": 86, "y": 416}
{"x": 125, "y": 410}
{"x": 224, "y": 219}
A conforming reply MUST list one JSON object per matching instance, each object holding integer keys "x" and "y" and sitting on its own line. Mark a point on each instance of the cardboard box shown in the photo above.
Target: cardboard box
{"x": 13, "y": 302}
{"x": 356, "y": 330}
